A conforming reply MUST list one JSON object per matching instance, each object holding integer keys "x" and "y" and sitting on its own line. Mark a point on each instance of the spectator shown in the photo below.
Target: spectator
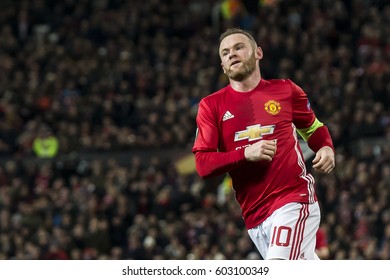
{"x": 322, "y": 248}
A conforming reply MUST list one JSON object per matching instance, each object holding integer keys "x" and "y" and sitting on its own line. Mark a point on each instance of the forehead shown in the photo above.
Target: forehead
{"x": 232, "y": 40}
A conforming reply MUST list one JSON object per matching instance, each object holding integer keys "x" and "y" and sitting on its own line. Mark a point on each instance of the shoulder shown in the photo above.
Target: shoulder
{"x": 279, "y": 82}
{"x": 216, "y": 96}
{"x": 286, "y": 85}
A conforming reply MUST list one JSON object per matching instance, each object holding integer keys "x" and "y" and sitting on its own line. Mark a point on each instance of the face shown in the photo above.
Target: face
{"x": 238, "y": 56}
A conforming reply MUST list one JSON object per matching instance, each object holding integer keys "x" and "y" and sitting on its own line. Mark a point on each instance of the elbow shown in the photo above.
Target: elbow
{"x": 201, "y": 166}
{"x": 202, "y": 172}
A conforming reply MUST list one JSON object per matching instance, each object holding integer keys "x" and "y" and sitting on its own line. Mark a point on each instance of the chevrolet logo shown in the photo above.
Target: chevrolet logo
{"x": 254, "y": 132}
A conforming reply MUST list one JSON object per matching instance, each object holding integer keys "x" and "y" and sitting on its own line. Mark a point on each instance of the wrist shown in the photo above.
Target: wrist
{"x": 319, "y": 139}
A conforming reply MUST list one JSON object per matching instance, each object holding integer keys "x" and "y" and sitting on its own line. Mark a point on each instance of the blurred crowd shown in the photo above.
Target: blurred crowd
{"x": 116, "y": 75}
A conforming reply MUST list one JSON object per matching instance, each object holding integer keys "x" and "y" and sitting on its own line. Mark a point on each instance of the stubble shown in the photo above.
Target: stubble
{"x": 245, "y": 70}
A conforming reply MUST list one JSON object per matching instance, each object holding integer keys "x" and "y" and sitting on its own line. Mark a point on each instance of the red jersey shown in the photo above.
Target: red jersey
{"x": 228, "y": 121}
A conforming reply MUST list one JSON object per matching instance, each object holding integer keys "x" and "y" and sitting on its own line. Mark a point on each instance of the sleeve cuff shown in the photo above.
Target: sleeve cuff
{"x": 320, "y": 138}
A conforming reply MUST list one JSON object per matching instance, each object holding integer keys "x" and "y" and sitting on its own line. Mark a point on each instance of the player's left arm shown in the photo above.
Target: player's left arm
{"x": 314, "y": 132}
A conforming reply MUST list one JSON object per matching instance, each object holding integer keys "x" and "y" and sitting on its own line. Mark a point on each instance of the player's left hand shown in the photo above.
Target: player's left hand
{"x": 324, "y": 161}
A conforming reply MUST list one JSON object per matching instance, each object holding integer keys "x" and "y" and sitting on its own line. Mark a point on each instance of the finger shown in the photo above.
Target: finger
{"x": 318, "y": 165}
{"x": 329, "y": 168}
{"x": 267, "y": 158}
{"x": 270, "y": 151}
{"x": 316, "y": 159}
{"x": 326, "y": 167}
{"x": 270, "y": 145}
{"x": 321, "y": 166}
{"x": 320, "y": 170}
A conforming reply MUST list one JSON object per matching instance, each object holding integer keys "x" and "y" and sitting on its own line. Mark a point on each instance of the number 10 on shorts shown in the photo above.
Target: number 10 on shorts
{"x": 281, "y": 236}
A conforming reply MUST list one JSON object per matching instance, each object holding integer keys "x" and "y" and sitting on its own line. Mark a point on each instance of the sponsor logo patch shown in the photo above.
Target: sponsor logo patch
{"x": 254, "y": 132}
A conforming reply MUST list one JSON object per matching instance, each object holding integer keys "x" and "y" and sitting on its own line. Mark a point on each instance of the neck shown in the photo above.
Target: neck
{"x": 248, "y": 84}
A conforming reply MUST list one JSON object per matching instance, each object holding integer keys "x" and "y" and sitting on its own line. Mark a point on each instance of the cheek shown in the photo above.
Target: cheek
{"x": 224, "y": 67}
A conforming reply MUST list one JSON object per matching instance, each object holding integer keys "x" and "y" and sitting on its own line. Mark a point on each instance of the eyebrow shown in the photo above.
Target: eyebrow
{"x": 226, "y": 49}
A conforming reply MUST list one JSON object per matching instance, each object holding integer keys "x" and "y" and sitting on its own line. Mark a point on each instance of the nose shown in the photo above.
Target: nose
{"x": 232, "y": 54}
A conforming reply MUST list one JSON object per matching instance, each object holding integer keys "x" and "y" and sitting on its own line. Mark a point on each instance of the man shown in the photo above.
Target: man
{"x": 248, "y": 129}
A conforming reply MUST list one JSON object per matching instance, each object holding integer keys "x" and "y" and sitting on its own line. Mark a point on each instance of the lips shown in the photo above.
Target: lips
{"x": 234, "y": 62}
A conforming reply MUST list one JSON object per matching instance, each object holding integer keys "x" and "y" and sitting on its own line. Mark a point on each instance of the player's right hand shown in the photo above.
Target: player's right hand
{"x": 261, "y": 150}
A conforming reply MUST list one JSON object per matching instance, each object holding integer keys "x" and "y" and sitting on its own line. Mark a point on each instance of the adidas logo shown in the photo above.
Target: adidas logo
{"x": 227, "y": 116}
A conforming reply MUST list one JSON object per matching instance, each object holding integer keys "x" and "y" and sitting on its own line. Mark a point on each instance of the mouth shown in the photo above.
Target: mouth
{"x": 234, "y": 63}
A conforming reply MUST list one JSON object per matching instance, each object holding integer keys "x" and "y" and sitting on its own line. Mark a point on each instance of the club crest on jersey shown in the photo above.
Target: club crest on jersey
{"x": 272, "y": 107}
{"x": 254, "y": 132}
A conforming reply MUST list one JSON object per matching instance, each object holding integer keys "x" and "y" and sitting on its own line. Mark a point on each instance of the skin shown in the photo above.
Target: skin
{"x": 240, "y": 61}
{"x": 324, "y": 161}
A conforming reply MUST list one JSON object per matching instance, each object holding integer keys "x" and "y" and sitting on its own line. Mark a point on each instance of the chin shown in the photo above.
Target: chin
{"x": 238, "y": 76}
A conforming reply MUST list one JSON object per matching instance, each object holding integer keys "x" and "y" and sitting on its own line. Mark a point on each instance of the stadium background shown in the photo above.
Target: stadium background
{"x": 97, "y": 119}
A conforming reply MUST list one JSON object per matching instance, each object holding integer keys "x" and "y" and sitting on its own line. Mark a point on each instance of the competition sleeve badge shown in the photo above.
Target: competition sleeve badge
{"x": 272, "y": 107}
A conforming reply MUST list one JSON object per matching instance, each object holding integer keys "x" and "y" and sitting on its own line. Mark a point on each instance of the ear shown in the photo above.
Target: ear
{"x": 259, "y": 53}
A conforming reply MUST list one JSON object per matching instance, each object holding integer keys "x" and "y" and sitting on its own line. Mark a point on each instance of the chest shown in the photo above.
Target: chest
{"x": 245, "y": 119}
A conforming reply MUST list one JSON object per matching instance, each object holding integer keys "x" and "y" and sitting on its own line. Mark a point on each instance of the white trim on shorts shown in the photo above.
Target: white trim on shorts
{"x": 289, "y": 233}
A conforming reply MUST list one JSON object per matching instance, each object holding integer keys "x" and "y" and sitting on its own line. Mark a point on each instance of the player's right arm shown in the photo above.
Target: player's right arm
{"x": 208, "y": 160}
{"x": 211, "y": 163}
